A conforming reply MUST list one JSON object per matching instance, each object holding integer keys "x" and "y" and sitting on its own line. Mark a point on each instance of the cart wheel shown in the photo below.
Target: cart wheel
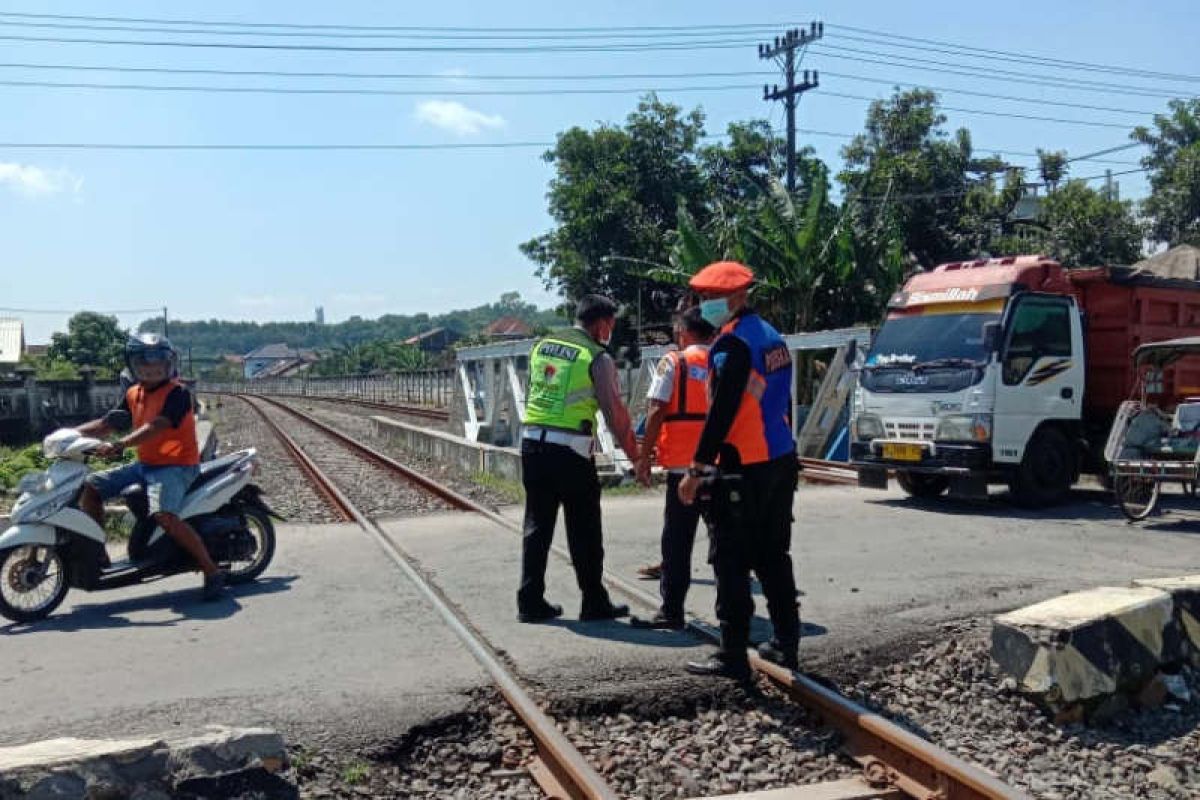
{"x": 1136, "y": 495}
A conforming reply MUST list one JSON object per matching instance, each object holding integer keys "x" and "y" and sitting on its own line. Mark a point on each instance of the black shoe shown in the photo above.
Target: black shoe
{"x": 545, "y": 613}
{"x": 659, "y": 621}
{"x": 720, "y": 665}
{"x": 779, "y": 654}
{"x": 214, "y": 587}
{"x": 611, "y": 611}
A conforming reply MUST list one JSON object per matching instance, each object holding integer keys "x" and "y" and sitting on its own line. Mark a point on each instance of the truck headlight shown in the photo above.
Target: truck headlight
{"x": 965, "y": 428}
{"x": 867, "y": 427}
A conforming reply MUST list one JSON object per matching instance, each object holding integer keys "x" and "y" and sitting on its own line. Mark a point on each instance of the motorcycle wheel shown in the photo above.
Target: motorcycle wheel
{"x": 33, "y": 582}
{"x": 259, "y": 525}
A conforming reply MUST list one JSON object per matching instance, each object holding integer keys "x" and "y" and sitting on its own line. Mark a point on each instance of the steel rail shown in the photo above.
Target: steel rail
{"x": 891, "y": 757}
{"x": 440, "y": 414}
{"x": 563, "y": 771}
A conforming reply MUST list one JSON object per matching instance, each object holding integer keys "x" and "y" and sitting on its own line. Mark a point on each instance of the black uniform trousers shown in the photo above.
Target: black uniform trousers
{"x": 678, "y": 538}
{"x": 750, "y": 527}
{"x": 555, "y": 475}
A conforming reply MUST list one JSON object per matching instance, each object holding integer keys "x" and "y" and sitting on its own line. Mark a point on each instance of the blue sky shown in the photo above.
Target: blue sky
{"x": 253, "y": 235}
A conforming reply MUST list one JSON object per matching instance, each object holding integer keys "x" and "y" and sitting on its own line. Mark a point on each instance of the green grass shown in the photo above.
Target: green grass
{"x": 355, "y": 772}
{"x": 506, "y": 489}
{"x": 631, "y": 489}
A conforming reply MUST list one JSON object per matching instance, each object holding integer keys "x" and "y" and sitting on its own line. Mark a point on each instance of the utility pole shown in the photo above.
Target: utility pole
{"x": 786, "y": 47}
{"x": 165, "y": 328}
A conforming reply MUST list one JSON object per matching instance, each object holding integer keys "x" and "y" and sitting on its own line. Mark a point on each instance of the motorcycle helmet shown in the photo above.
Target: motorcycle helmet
{"x": 151, "y": 358}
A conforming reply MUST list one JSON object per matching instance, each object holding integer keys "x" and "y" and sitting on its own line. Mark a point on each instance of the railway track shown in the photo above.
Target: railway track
{"x": 894, "y": 762}
{"x": 425, "y": 412}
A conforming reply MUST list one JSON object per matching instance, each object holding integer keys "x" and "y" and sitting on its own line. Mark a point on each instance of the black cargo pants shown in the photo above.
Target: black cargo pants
{"x": 555, "y": 475}
{"x": 750, "y": 529}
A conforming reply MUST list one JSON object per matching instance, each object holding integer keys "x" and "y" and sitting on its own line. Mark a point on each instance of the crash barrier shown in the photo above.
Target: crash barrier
{"x": 432, "y": 388}
{"x": 1080, "y": 650}
{"x": 29, "y": 407}
{"x": 463, "y": 455}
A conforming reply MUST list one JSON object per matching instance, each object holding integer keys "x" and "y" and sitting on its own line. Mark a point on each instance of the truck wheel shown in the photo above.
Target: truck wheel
{"x": 918, "y": 484}
{"x": 1046, "y": 472}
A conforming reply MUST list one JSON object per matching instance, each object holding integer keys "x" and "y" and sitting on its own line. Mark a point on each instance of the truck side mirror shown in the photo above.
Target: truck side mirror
{"x": 851, "y": 353}
{"x": 991, "y": 337}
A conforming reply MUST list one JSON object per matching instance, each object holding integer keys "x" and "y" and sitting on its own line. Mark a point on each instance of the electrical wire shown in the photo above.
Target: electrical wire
{"x": 76, "y": 311}
{"x": 1009, "y": 76}
{"x": 1009, "y": 55}
{"x": 1009, "y": 114}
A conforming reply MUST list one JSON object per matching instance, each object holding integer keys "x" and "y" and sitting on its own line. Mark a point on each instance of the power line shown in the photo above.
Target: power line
{"x": 481, "y": 35}
{"x": 1014, "y": 98}
{"x": 269, "y": 73}
{"x": 147, "y": 87}
{"x": 76, "y": 311}
{"x": 965, "y": 192}
{"x": 709, "y": 44}
{"x": 987, "y": 73}
{"x": 326, "y": 26}
{"x": 1008, "y": 55}
{"x": 1009, "y": 114}
{"x": 538, "y": 77}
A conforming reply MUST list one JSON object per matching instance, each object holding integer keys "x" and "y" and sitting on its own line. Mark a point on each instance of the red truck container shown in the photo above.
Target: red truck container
{"x": 1011, "y": 370}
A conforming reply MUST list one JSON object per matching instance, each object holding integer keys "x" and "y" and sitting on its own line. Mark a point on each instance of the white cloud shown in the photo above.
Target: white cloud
{"x": 30, "y": 180}
{"x": 452, "y": 116}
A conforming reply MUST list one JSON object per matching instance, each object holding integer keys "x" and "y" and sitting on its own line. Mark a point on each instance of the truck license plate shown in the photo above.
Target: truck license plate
{"x": 902, "y": 452}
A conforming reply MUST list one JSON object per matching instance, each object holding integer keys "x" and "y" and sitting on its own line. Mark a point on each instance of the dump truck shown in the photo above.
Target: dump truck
{"x": 1009, "y": 370}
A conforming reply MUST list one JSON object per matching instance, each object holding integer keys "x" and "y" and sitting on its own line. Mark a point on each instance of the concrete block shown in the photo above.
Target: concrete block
{"x": 462, "y": 455}
{"x": 91, "y": 768}
{"x": 1185, "y": 593}
{"x": 1087, "y": 644}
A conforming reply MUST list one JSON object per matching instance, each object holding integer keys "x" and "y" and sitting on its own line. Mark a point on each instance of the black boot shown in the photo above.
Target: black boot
{"x": 781, "y": 654}
{"x": 609, "y": 611}
{"x": 724, "y": 665}
{"x": 660, "y": 621}
{"x": 543, "y": 613}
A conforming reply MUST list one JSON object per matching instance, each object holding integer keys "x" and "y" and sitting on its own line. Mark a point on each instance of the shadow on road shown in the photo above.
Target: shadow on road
{"x": 1082, "y": 504}
{"x": 185, "y": 603}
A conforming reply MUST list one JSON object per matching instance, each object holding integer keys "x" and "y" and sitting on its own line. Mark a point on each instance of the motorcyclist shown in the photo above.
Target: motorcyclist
{"x": 164, "y": 433}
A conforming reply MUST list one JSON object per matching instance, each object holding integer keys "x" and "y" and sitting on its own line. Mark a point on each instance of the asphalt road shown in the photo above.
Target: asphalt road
{"x": 333, "y": 642}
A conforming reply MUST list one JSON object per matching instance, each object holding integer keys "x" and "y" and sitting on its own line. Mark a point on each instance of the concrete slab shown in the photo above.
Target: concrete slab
{"x": 876, "y": 566}
{"x": 477, "y": 564}
{"x": 1086, "y": 644}
{"x": 1185, "y": 592}
{"x": 331, "y": 638}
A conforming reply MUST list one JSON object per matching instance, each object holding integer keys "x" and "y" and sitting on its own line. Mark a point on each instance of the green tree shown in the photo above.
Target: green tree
{"x": 1052, "y": 166}
{"x": 92, "y": 340}
{"x": 1081, "y": 226}
{"x": 1173, "y": 206}
{"x": 615, "y": 193}
{"x": 905, "y": 175}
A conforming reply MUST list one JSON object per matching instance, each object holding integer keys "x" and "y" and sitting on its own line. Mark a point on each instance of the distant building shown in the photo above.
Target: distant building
{"x": 320, "y": 315}
{"x": 37, "y": 350}
{"x": 12, "y": 341}
{"x": 263, "y": 358}
{"x": 433, "y": 341}
{"x": 508, "y": 328}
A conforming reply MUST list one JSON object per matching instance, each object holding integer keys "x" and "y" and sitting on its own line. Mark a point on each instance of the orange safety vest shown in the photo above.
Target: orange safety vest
{"x": 680, "y": 431}
{"x": 761, "y": 429}
{"x": 171, "y": 446}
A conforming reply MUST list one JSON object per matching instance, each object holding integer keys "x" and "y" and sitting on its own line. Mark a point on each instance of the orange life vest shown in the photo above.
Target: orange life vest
{"x": 170, "y": 446}
{"x": 761, "y": 429}
{"x": 680, "y": 431}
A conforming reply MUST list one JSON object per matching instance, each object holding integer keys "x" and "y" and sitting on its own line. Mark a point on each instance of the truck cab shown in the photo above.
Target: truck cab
{"x": 975, "y": 377}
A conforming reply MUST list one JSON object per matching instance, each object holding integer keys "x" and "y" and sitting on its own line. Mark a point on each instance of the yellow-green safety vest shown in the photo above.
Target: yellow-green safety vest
{"x": 561, "y": 394}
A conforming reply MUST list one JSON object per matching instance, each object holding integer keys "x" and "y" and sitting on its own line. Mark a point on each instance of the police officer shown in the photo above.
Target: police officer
{"x": 747, "y": 452}
{"x": 571, "y": 378}
{"x": 678, "y": 399}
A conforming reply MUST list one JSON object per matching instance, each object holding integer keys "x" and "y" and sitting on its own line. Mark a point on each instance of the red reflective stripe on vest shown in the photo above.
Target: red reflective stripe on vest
{"x": 170, "y": 446}
{"x": 680, "y": 431}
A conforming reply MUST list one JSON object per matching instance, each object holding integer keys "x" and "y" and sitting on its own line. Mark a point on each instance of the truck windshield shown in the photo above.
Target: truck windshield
{"x": 951, "y": 340}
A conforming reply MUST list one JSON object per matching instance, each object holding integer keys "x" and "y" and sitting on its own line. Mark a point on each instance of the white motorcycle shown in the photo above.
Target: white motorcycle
{"x": 52, "y": 546}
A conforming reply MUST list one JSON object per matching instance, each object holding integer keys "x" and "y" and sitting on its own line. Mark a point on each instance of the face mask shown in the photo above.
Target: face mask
{"x": 715, "y": 312}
